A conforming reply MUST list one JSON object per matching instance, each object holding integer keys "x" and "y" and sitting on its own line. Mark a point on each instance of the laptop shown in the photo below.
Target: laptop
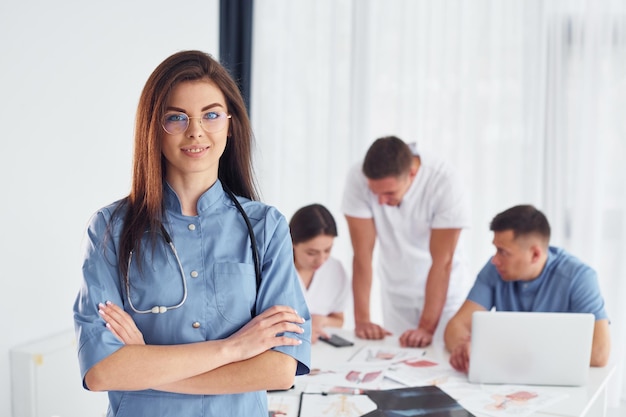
{"x": 531, "y": 348}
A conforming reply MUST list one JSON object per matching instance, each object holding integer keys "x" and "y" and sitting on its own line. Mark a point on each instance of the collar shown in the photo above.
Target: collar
{"x": 207, "y": 200}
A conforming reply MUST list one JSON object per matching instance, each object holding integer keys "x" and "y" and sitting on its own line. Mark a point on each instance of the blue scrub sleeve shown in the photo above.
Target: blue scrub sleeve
{"x": 482, "y": 291}
{"x": 100, "y": 284}
{"x": 280, "y": 286}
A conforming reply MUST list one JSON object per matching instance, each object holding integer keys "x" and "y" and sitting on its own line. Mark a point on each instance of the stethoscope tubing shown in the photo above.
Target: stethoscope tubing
{"x": 168, "y": 239}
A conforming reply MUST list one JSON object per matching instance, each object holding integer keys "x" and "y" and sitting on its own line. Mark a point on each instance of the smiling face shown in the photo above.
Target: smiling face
{"x": 311, "y": 254}
{"x": 194, "y": 152}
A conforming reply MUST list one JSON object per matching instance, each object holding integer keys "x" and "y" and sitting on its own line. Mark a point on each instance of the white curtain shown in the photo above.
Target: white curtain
{"x": 585, "y": 146}
{"x": 524, "y": 97}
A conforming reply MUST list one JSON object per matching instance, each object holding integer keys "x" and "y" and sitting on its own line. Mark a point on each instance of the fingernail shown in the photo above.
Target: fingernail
{"x": 109, "y": 303}
{"x": 100, "y": 305}
{"x": 101, "y": 312}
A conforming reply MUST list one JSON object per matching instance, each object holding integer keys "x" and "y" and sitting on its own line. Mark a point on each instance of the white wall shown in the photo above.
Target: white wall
{"x": 70, "y": 77}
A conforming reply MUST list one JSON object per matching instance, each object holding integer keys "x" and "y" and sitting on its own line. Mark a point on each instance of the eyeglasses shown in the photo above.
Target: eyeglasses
{"x": 177, "y": 122}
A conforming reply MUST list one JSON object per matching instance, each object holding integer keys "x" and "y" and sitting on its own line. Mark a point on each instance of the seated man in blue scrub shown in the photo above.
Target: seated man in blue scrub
{"x": 527, "y": 274}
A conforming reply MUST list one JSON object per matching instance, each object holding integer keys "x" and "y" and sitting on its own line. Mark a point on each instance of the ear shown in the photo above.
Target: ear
{"x": 536, "y": 252}
{"x": 415, "y": 166}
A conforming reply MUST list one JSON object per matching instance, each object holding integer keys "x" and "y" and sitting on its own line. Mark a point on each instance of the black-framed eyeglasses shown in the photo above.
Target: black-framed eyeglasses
{"x": 175, "y": 122}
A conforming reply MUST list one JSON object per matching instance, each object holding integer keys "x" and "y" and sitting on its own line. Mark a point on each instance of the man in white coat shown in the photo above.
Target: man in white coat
{"x": 412, "y": 204}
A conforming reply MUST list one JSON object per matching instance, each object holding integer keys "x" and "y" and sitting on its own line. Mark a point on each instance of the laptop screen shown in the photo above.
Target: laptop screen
{"x": 530, "y": 348}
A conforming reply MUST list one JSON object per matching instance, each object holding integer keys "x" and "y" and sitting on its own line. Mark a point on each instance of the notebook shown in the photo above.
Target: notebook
{"x": 531, "y": 348}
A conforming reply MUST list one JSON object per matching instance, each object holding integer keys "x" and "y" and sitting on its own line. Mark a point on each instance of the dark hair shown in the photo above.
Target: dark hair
{"x": 387, "y": 157}
{"x": 311, "y": 221}
{"x": 523, "y": 220}
{"x": 144, "y": 204}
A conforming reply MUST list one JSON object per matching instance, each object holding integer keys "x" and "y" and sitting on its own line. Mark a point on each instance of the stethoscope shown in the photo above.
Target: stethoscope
{"x": 170, "y": 243}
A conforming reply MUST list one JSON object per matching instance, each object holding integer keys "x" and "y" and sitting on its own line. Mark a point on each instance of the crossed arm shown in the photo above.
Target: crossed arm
{"x": 239, "y": 363}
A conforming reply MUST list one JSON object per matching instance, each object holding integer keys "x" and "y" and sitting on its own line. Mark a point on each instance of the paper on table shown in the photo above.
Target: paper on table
{"x": 387, "y": 355}
{"x": 353, "y": 375}
{"x": 420, "y": 372}
{"x": 283, "y": 405}
{"x": 335, "y": 405}
{"x": 511, "y": 400}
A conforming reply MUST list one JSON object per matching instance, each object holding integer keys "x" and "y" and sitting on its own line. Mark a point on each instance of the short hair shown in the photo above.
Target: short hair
{"x": 387, "y": 157}
{"x": 311, "y": 221}
{"x": 523, "y": 220}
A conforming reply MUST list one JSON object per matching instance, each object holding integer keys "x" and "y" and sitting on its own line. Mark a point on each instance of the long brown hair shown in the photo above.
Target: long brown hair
{"x": 144, "y": 205}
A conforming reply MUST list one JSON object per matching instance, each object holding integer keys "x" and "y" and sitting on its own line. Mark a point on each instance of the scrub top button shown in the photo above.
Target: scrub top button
{"x": 196, "y": 324}
{"x": 192, "y": 227}
{"x": 194, "y": 274}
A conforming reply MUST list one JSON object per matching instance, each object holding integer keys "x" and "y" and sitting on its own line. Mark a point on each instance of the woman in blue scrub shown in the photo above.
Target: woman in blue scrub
{"x": 190, "y": 303}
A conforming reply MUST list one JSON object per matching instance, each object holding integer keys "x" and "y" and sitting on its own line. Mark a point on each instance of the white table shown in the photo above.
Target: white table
{"x": 585, "y": 401}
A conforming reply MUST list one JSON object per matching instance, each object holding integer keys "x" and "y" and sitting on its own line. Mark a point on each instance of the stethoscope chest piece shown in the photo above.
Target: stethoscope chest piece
{"x": 168, "y": 239}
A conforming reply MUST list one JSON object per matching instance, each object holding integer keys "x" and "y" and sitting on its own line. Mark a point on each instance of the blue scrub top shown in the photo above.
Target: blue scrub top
{"x": 565, "y": 285}
{"x": 216, "y": 256}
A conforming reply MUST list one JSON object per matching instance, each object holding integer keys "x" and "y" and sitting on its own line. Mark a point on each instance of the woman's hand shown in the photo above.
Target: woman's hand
{"x": 266, "y": 331}
{"x": 257, "y": 336}
{"x": 121, "y": 324}
{"x": 318, "y": 322}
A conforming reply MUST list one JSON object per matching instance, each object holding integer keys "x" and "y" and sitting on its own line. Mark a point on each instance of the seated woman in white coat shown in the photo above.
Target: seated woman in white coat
{"x": 324, "y": 280}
